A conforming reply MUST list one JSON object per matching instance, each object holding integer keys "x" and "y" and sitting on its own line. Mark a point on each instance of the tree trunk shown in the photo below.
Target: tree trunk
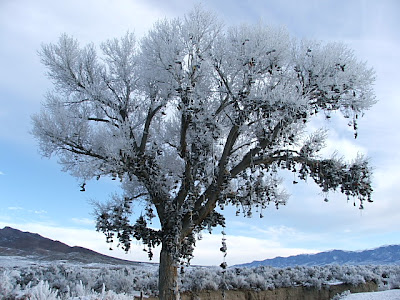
{"x": 168, "y": 276}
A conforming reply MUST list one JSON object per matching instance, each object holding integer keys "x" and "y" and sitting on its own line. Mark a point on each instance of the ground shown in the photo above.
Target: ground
{"x": 384, "y": 295}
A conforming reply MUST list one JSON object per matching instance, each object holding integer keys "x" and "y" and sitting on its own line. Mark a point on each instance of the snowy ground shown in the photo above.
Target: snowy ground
{"x": 385, "y": 295}
{"x": 18, "y": 261}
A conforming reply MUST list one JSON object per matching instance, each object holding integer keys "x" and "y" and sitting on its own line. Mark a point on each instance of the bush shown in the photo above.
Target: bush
{"x": 67, "y": 281}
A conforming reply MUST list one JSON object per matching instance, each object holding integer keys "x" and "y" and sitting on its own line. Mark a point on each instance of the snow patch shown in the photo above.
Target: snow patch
{"x": 384, "y": 295}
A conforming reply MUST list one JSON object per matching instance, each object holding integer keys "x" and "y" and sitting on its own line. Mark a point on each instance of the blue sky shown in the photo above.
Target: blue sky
{"x": 36, "y": 196}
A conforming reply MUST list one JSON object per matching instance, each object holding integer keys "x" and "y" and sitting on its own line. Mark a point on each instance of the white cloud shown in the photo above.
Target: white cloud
{"x": 1, "y": 173}
{"x": 241, "y": 249}
{"x": 276, "y": 232}
{"x": 14, "y": 208}
{"x": 344, "y": 147}
{"x": 83, "y": 221}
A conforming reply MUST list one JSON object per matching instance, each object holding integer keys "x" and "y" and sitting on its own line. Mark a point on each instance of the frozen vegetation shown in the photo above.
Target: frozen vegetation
{"x": 68, "y": 281}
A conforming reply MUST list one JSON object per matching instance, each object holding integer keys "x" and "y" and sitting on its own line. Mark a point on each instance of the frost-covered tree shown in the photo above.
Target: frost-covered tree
{"x": 197, "y": 116}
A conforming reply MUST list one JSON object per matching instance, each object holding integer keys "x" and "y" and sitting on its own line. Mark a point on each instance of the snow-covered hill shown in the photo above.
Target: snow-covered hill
{"x": 386, "y": 255}
{"x": 16, "y": 243}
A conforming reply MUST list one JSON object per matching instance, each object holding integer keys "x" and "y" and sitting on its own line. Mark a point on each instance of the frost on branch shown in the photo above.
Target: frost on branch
{"x": 197, "y": 116}
{"x": 333, "y": 174}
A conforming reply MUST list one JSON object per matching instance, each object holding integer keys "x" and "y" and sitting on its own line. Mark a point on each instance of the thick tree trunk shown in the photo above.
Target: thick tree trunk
{"x": 168, "y": 276}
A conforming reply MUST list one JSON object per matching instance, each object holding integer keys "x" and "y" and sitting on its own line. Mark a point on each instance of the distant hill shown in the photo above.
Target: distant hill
{"x": 14, "y": 242}
{"x": 386, "y": 255}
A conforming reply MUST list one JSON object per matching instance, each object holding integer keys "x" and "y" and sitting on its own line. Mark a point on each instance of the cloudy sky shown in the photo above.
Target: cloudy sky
{"x": 36, "y": 196}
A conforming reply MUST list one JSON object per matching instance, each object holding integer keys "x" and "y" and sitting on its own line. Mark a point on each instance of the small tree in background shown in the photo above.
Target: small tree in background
{"x": 197, "y": 116}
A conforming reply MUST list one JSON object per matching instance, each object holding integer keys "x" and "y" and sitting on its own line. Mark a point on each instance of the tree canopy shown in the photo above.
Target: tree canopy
{"x": 196, "y": 116}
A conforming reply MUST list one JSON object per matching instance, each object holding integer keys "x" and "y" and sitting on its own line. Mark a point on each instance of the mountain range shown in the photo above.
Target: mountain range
{"x": 385, "y": 255}
{"x": 14, "y": 242}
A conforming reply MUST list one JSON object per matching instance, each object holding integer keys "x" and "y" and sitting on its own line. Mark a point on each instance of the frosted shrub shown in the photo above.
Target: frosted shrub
{"x": 7, "y": 282}
{"x": 123, "y": 284}
{"x": 83, "y": 293}
{"x": 201, "y": 279}
{"x": 286, "y": 280}
{"x": 81, "y": 290}
{"x": 353, "y": 279}
{"x": 393, "y": 282}
{"x": 389, "y": 278}
{"x": 28, "y": 275}
{"x": 210, "y": 285}
{"x": 42, "y": 291}
{"x": 256, "y": 282}
{"x": 69, "y": 282}
{"x": 146, "y": 282}
{"x": 368, "y": 274}
{"x": 237, "y": 282}
{"x": 109, "y": 295}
